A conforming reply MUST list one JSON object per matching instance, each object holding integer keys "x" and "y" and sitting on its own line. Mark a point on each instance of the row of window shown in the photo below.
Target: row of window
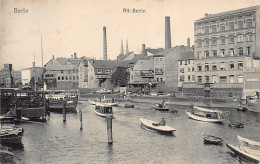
{"x": 186, "y": 62}
{"x": 68, "y": 78}
{"x": 102, "y": 71}
{"x": 222, "y": 40}
{"x": 182, "y": 70}
{"x": 222, "y": 27}
{"x": 190, "y": 78}
{"x": 214, "y": 53}
{"x": 221, "y": 79}
{"x": 158, "y": 71}
{"x": 222, "y": 66}
{"x": 69, "y": 71}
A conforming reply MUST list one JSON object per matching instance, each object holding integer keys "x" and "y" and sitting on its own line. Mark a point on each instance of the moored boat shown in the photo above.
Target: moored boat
{"x": 235, "y": 124}
{"x": 247, "y": 149}
{"x": 129, "y": 105}
{"x": 160, "y": 107}
{"x": 209, "y": 139}
{"x": 205, "y": 115}
{"x": 9, "y": 133}
{"x": 103, "y": 110}
{"x": 148, "y": 124}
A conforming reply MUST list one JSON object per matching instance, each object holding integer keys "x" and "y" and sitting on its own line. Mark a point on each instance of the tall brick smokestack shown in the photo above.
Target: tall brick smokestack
{"x": 104, "y": 43}
{"x": 144, "y": 51}
{"x": 167, "y": 33}
{"x": 188, "y": 42}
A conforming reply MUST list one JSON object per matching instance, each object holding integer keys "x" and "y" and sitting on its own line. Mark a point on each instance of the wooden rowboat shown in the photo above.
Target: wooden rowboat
{"x": 202, "y": 117}
{"x": 129, "y": 106}
{"x": 158, "y": 106}
{"x": 148, "y": 124}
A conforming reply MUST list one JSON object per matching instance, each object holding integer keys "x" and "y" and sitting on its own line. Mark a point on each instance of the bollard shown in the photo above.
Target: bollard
{"x": 109, "y": 130}
{"x": 64, "y": 111}
{"x": 80, "y": 118}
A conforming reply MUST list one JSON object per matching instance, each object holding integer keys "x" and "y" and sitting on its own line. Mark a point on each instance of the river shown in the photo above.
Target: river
{"x": 58, "y": 142}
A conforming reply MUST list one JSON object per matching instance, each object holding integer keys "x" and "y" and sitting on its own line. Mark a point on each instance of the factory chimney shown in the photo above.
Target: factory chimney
{"x": 188, "y": 42}
{"x": 104, "y": 43}
{"x": 167, "y": 33}
{"x": 144, "y": 52}
{"x": 126, "y": 49}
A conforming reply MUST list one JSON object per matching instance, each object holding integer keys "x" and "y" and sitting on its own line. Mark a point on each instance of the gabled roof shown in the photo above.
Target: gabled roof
{"x": 104, "y": 64}
{"x": 187, "y": 55}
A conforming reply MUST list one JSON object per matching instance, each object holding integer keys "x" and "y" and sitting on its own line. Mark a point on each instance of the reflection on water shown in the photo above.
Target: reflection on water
{"x": 58, "y": 142}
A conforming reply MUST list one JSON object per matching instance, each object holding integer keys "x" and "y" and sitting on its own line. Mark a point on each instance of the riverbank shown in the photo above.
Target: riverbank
{"x": 212, "y": 103}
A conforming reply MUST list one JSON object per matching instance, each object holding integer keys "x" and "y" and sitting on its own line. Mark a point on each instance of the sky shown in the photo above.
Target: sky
{"x": 69, "y": 26}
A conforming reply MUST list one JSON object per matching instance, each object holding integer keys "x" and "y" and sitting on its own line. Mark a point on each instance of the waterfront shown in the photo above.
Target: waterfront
{"x": 58, "y": 142}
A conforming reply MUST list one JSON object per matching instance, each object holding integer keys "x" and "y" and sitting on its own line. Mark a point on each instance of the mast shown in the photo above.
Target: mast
{"x": 43, "y": 94}
{"x": 34, "y": 69}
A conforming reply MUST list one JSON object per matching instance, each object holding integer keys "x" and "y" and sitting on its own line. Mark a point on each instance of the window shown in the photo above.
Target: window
{"x": 199, "y": 79}
{"x": 61, "y": 71}
{"x": 132, "y": 77}
{"x": 207, "y": 79}
{"x": 199, "y": 30}
{"x": 214, "y": 41}
{"x": 222, "y": 79}
{"x": 240, "y": 65}
{"x": 161, "y": 79}
{"x": 206, "y": 54}
{"x": 222, "y": 27}
{"x": 206, "y": 42}
{"x": 231, "y": 26}
{"x": 206, "y": 30}
{"x": 192, "y": 69}
{"x": 249, "y": 23}
{"x": 222, "y": 40}
{"x": 214, "y": 28}
{"x": 199, "y": 43}
{"x": 182, "y": 78}
{"x": 198, "y": 54}
{"x": 182, "y": 70}
{"x": 214, "y": 79}
{"x": 240, "y": 24}
{"x": 222, "y": 52}
{"x": 74, "y": 78}
{"x": 231, "y": 79}
{"x": 249, "y": 37}
{"x": 188, "y": 69}
{"x": 188, "y": 77}
{"x": 99, "y": 71}
{"x": 231, "y": 51}
{"x": 193, "y": 77}
{"x": 214, "y": 68}
{"x": 214, "y": 53}
{"x": 62, "y": 78}
{"x": 66, "y": 77}
{"x": 231, "y": 39}
{"x": 199, "y": 68}
{"x": 240, "y": 38}
{"x": 231, "y": 66}
{"x": 248, "y": 50}
{"x": 240, "y": 79}
{"x": 58, "y": 78}
{"x": 180, "y": 62}
{"x": 222, "y": 66}
{"x": 207, "y": 67}
{"x": 240, "y": 51}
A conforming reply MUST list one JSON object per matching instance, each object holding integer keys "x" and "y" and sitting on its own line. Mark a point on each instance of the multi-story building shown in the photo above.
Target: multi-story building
{"x": 225, "y": 45}
{"x": 10, "y": 77}
{"x": 32, "y": 76}
{"x": 186, "y": 69}
{"x": 64, "y": 73}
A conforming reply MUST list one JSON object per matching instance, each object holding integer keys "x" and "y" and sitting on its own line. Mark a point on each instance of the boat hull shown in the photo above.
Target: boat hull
{"x": 159, "y": 108}
{"x": 57, "y": 104}
{"x": 129, "y": 106}
{"x": 148, "y": 124}
{"x": 244, "y": 154}
{"x": 103, "y": 115}
{"x": 208, "y": 139}
{"x": 198, "y": 118}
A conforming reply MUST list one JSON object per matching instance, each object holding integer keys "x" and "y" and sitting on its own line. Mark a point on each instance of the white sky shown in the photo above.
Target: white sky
{"x": 69, "y": 26}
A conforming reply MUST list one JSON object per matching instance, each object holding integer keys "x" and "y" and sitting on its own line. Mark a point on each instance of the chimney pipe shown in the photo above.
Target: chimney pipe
{"x": 33, "y": 64}
{"x": 52, "y": 56}
{"x": 188, "y": 42}
{"x": 167, "y": 33}
{"x": 104, "y": 43}
{"x": 144, "y": 52}
{"x": 75, "y": 55}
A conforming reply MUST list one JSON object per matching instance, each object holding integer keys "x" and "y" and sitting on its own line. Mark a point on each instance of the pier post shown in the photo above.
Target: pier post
{"x": 80, "y": 118}
{"x": 64, "y": 110}
{"x": 109, "y": 130}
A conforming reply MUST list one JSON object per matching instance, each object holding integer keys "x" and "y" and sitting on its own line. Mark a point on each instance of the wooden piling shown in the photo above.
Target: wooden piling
{"x": 109, "y": 130}
{"x": 80, "y": 117}
{"x": 64, "y": 111}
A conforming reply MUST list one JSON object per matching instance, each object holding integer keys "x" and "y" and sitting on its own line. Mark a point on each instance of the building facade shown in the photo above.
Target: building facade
{"x": 225, "y": 45}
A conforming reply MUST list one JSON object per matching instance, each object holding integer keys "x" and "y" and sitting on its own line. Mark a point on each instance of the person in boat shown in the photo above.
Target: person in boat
{"x": 191, "y": 108}
{"x": 162, "y": 123}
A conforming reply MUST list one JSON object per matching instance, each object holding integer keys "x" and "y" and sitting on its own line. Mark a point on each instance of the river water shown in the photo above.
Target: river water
{"x": 58, "y": 142}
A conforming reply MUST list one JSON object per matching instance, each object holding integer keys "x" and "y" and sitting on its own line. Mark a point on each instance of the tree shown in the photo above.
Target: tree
{"x": 120, "y": 76}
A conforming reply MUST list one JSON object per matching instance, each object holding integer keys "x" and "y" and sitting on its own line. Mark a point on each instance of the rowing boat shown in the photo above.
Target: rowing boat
{"x": 148, "y": 124}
